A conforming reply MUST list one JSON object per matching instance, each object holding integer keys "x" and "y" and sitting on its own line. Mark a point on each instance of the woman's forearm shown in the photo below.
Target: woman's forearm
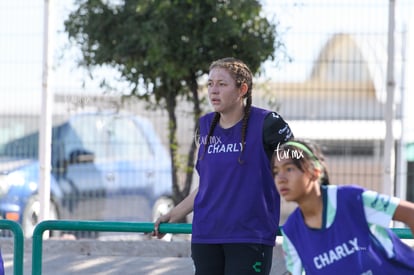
{"x": 184, "y": 208}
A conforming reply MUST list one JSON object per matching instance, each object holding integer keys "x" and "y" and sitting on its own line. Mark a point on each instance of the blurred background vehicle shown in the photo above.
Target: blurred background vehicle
{"x": 105, "y": 166}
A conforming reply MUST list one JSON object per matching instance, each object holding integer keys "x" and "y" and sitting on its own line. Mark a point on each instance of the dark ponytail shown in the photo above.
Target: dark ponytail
{"x": 312, "y": 157}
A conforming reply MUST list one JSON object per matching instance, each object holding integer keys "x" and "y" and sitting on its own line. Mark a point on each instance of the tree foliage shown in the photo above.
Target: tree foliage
{"x": 166, "y": 45}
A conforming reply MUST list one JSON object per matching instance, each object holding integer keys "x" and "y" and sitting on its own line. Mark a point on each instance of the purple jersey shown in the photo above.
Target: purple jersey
{"x": 347, "y": 246}
{"x": 236, "y": 203}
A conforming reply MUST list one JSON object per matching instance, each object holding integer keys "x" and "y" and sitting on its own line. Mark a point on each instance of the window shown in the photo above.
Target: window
{"x": 127, "y": 140}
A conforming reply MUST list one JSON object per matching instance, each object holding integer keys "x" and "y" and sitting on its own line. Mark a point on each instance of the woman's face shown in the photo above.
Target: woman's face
{"x": 223, "y": 94}
{"x": 292, "y": 183}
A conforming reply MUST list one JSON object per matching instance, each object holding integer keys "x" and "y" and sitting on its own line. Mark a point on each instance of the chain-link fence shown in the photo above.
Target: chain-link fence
{"x": 343, "y": 59}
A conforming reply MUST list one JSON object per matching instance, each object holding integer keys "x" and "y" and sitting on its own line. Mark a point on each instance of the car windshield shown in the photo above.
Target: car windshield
{"x": 19, "y": 136}
{"x": 108, "y": 137}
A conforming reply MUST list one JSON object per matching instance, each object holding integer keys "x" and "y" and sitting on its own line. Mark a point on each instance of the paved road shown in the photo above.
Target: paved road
{"x": 110, "y": 257}
{"x": 107, "y": 265}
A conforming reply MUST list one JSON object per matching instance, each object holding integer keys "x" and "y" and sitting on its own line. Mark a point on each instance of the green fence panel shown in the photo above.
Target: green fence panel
{"x": 403, "y": 233}
{"x": 94, "y": 226}
{"x": 18, "y": 244}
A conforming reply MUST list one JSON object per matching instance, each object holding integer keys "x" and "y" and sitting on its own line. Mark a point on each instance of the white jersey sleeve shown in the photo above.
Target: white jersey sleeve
{"x": 292, "y": 260}
{"x": 379, "y": 208}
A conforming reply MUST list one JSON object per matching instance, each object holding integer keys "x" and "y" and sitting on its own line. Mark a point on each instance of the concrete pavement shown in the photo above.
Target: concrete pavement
{"x": 113, "y": 257}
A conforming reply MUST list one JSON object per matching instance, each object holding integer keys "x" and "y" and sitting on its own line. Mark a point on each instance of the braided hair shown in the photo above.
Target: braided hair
{"x": 241, "y": 73}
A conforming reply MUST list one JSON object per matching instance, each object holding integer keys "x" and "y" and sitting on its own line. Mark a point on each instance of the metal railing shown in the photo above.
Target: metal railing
{"x": 94, "y": 226}
{"x": 18, "y": 250}
{"x": 403, "y": 233}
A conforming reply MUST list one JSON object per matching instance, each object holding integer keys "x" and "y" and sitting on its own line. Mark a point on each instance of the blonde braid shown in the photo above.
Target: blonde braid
{"x": 241, "y": 74}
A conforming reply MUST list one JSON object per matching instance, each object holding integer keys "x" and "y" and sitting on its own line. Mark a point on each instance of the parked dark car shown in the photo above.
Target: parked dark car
{"x": 105, "y": 166}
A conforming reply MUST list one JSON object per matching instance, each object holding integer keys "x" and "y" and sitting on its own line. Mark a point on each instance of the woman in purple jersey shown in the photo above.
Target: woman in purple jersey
{"x": 236, "y": 205}
{"x": 337, "y": 229}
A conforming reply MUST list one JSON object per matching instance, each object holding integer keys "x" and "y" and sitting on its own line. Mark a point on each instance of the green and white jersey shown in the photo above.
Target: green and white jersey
{"x": 378, "y": 210}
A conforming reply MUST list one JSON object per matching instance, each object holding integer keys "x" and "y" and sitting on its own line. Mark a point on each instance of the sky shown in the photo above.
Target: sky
{"x": 312, "y": 22}
{"x": 306, "y": 24}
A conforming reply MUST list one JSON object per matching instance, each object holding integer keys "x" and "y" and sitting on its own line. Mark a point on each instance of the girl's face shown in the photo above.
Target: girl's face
{"x": 292, "y": 183}
{"x": 222, "y": 91}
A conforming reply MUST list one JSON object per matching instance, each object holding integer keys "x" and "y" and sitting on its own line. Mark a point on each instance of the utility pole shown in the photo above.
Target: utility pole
{"x": 401, "y": 179}
{"x": 389, "y": 150}
{"x": 45, "y": 134}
